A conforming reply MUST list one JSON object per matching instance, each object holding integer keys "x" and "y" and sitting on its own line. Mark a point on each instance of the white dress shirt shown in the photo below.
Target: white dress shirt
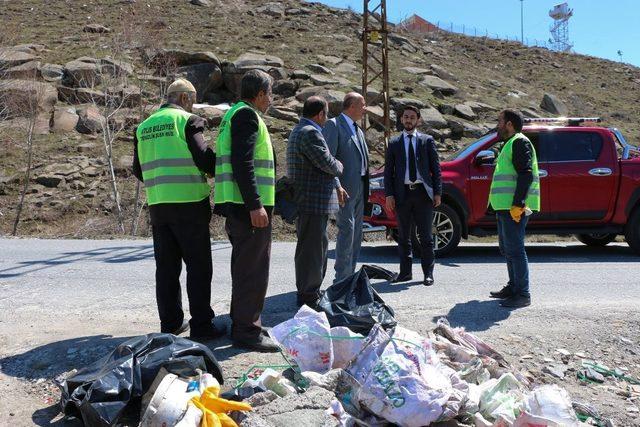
{"x": 363, "y": 167}
{"x": 406, "y": 153}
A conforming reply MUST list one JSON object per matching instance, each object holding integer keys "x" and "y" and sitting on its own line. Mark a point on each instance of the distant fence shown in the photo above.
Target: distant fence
{"x": 450, "y": 27}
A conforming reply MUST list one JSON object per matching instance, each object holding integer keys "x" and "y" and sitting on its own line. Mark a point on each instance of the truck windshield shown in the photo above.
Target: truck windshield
{"x": 471, "y": 147}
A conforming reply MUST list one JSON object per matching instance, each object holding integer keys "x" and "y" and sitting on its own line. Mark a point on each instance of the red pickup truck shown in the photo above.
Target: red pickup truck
{"x": 589, "y": 178}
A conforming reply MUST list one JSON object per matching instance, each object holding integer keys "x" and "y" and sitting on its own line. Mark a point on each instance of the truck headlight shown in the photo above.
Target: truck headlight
{"x": 376, "y": 210}
{"x": 376, "y": 183}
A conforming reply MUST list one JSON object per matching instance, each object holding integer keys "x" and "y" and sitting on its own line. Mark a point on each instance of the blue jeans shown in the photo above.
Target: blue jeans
{"x": 511, "y": 239}
{"x": 349, "y": 239}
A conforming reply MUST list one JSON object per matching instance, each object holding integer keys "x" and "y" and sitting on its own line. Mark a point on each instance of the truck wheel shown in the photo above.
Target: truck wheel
{"x": 447, "y": 231}
{"x": 596, "y": 239}
{"x": 632, "y": 231}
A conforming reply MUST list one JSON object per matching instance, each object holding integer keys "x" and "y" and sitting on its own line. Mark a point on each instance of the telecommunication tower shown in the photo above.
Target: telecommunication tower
{"x": 560, "y": 28}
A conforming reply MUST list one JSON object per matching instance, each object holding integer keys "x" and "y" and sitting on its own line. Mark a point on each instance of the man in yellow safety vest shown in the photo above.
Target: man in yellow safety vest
{"x": 172, "y": 159}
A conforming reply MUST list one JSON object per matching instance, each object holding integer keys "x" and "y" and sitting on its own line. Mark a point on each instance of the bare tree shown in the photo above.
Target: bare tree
{"x": 26, "y": 100}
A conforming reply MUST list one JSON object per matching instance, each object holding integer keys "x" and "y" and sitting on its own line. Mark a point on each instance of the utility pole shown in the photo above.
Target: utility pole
{"x": 375, "y": 61}
{"x": 522, "y": 21}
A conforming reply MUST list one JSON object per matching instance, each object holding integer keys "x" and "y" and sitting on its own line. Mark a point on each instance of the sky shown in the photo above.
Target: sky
{"x": 597, "y": 28}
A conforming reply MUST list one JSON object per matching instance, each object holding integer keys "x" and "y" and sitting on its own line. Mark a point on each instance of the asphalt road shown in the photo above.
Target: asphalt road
{"x": 57, "y": 296}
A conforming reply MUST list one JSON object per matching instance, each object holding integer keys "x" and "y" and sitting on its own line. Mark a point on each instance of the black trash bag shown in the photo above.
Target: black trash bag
{"x": 377, "y": 272}
{"x": 112, "y": 388}
{"x": 353, "y": 303}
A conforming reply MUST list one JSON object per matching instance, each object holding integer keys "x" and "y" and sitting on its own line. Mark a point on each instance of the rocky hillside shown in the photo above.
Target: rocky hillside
{"x": 79, "y": 69}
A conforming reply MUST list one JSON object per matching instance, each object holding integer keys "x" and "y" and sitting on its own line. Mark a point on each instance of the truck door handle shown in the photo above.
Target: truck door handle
{"x": 542, "y": 173}
{"x": 600, "y": 172}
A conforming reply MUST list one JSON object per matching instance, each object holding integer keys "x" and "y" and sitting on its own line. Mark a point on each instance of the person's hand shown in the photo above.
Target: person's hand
{"x": 259, "y": 218}
{"x": 391, "y": 203}
{"x": 343, "y": 196}
{"x": 516, "y": 213}
{"x": 437, "y": 200}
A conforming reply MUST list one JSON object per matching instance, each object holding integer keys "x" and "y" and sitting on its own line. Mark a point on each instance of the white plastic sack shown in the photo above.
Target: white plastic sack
{"x": 400, "y": 379}
{"x": 305, "y": 338}
{"x": 502, "y": 398}
{"x": 551, "y": 403}
{"x": 345, "y": 349}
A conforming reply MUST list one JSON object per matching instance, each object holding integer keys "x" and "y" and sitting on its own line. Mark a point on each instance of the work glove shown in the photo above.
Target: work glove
{"x": 214, "y": 408}
{"x": 516, "y": 212}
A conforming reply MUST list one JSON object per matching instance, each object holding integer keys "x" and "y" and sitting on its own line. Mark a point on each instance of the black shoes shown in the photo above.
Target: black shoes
{"x": 402, "y": 278}
{"x": 181, "y": 329}
{"x": 502, "y": 293}
{"x": 261, "y": 343}
{"x": 516, "y": 302}
{"x": 428, "y": 281}
{"x": 211, "y": 332}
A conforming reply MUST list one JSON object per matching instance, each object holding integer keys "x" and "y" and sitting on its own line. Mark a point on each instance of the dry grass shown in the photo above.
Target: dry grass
{"x": 588, "y": 86}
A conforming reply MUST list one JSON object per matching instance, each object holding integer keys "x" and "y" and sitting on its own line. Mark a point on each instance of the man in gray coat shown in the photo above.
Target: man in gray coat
{"x": 312, "y": 169}
{"x": 346, "y": 142}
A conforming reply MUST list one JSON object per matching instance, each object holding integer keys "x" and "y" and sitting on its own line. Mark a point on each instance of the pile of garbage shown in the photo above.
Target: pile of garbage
{"x": 349, "y": 364}
{"x": 389, "y": 374}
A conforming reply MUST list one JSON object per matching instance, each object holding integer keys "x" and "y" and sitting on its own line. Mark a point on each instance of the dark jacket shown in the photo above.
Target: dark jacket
{"x": 204, "y": 159}
{"x": 428, "y": 165}
{"x": 312, "y": 169}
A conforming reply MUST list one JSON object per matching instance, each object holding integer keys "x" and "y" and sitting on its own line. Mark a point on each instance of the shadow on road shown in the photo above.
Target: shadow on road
{"x": 467, "y": 254}
{"x": 475, "y": 315}
{"x": 50, "y": 360}
{"x": 109, "y": 255}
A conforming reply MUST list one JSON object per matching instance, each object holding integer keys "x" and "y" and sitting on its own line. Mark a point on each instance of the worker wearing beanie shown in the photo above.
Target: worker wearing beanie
{"x": 173, "y": 161}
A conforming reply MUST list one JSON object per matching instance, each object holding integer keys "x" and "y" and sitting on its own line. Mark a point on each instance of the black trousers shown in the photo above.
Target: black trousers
{"x": 250, "y": 257}
{"x": 311, "y": 255}
{"x": 173, "y": 243}
{"x": 416, "y": 208}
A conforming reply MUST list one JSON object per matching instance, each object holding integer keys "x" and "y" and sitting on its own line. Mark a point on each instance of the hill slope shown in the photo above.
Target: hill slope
{"x": 487, "y": 75}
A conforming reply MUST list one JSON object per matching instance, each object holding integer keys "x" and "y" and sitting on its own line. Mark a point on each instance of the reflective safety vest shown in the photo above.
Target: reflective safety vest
{"x": 503, "y": 185}
{"x": 225, "y": 187}
{"x": 168, "y": 170}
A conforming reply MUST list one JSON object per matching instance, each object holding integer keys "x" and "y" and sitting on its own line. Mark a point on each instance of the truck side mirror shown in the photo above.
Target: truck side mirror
{"x": 485, "y": 157}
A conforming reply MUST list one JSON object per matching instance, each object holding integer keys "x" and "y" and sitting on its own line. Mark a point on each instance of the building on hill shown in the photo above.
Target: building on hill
{"x": 416, "y": 24}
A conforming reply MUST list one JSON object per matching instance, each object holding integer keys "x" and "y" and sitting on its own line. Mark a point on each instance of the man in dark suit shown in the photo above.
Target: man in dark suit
{"x": 313, "y": 170}
{"x": 346, "y": 142}
{"x": 413, "y": 187}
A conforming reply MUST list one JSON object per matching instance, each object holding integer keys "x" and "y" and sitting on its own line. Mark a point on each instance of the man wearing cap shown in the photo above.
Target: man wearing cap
{"x": 172, "y": 159}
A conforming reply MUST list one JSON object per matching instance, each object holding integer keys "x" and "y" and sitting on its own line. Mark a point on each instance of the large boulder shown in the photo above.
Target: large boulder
{"x": 285, "y": 88}
{"x": 553, "y": 105}
{"x": 432, "y": 119}
{"x": 90, "y": 120}
{"x": 317, "y": 68}
{"x": 211, "y": 114}
{"x": 206, "y": 77}
{"x": 436, "y": 83}
{"x": 65, "y": 119}
{"x": 26, "y": 71}
{"x": 273, "y": 9}
{"x": 464, "y": 111}
{"x": 399, "y": 103}
{"x": 322, "y": 80}
{"x": 116, "y": 67}
{"x": 162, "y": 58}
{"x": 82, "y": 74}
{"x": 416, "y": 70}
{"x": 52, "y": 72}
{"x": 10, "y": 57}
{"x": 81, "y": 95}
{"x": 23, "y": 98}
{"x": 443, "y": 73}
{"x": 232, "y": 72}
{"x": 333, "y": 97}
{"x": 283, "y": 114}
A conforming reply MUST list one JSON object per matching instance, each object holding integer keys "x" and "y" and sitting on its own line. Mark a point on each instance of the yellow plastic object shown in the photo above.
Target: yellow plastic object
{"x": 214, "y": 408}
{"x": 516, "y": 213}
